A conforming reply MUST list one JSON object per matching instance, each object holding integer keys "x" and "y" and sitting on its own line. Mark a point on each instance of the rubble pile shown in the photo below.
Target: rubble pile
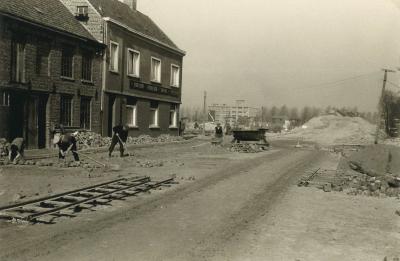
{"x": 373, "y": 170}
{"x": 50, "y": 163}
{"x": 146, "y": 139}
{"x": 3, "y": 147}
{"x": 364, "y": 184}
{"x": 149, "y": 163}
{"x": 245, "y": 148}
{"x": 87, "y": 139}
{"x": 335, "y": 130}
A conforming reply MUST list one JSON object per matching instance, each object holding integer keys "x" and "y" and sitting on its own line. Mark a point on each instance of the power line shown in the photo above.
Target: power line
{"x": 393, "y": 84}
{"x": 341, "y": 81}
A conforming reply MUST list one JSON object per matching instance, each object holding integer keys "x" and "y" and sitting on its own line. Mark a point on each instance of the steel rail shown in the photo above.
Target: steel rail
{"x": 57, "y": 209}
{"x": 66, "y": 193}
{"x": 53, "y": 211}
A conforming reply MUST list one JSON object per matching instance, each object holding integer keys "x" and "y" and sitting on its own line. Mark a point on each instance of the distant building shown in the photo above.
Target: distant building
{"x": 232, "y": 114}
{"x": 50, "y": 72}
{"x": 142, "y": 67}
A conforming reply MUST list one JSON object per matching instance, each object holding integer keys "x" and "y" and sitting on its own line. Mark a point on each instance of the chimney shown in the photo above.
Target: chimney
{"x": 131, "y": 3}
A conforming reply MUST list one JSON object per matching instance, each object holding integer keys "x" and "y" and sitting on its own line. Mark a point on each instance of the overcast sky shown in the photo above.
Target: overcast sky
{"x": 275, "y": 52}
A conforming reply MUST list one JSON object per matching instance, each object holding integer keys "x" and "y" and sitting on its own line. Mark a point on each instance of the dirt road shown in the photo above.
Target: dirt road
{"x": 224, "y": 215}
{"x": 188, "y": 222}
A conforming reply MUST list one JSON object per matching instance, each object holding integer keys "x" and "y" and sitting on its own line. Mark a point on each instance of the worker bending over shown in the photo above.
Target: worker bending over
{"x": 16, "y": 150}
{"x": 120, "y": 136}
{"x": 66, "y": 143}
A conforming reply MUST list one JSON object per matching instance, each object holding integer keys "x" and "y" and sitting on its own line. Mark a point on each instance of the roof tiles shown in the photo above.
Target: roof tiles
{"x": 49, "y": 13}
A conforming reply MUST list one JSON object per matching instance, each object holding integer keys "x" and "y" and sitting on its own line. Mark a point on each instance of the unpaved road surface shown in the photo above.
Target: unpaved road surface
{"x": 225, "y": 215}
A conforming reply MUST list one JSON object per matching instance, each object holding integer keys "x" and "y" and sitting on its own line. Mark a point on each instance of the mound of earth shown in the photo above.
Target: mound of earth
{"x": 335, "y": 130}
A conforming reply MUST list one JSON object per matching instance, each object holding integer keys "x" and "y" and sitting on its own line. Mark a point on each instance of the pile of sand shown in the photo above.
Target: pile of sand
{"x": 335, "y": 130}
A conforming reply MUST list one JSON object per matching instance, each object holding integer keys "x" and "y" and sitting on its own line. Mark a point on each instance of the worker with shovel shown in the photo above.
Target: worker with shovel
{"x": 16, "y": 150}
{"x": 120, "y": 136}
{"x": 66, "y": 143}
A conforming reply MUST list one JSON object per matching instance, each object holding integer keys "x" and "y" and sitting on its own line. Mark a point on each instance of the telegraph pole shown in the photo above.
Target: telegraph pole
{"x": 380, "y": 104}
{"x": 204, "y": 112}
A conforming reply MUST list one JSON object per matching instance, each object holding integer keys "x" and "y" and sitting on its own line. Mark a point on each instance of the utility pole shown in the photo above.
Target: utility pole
{"x": 204, "y": 112}
{"x": 380, "y": 104}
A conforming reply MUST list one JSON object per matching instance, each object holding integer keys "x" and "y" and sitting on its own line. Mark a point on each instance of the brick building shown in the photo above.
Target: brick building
{"x": 50, "y": 71}
{"x": 142, "y": 68}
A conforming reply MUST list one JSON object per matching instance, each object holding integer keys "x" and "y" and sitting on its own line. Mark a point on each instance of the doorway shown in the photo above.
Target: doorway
{"x": 35, "y": 131}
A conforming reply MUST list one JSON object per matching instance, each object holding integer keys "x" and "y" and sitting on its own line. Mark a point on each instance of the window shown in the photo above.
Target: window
{"x": 155, "y": 70}
{"x": 114, "y": 51}
{"x": 18, "y": 62}
{"x": 131, "y": 113}
{"x": 4, "y": 99}
{"x": 42, "y": 57}
{"x": 85, "y": 113}
{"x": 173, "y": 116}
{"x": 133, "y": 63}
{"x": 87, "y": 66}
{"x": 66, "y": 110}
{"x": 82, "y": 10}
{"x": 67, "y": 58}
{"x": 175, "y": 73}
{"x": 153, "y": 114}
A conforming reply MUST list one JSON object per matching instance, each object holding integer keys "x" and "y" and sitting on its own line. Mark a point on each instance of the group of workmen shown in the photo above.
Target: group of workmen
{"x": 66, "y": 143}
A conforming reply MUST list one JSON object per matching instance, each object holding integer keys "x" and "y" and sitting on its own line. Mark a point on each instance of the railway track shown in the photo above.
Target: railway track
{"x": 67, "y": 204}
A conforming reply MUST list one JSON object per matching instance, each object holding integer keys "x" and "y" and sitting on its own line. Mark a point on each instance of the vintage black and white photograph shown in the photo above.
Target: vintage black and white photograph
{"x": 199, "y": 130}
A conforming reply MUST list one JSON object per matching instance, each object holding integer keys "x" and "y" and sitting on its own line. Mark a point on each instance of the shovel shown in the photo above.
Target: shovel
{"x": 125, "y": 147}
{"x": 111, "y": 167}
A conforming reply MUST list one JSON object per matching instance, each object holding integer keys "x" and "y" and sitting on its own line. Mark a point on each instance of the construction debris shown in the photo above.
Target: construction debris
{"x": 87, "y": 139}
{"x": 247, "y": 148}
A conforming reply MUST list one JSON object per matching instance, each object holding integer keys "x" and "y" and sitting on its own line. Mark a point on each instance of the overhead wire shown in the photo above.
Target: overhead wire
{"x": 337, "y": 82}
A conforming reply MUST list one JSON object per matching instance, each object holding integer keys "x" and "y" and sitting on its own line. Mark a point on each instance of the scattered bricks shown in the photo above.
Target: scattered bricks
{"x": 74, "y": 164}
{"x": 394, "y": 182}
{"x": 327, "y": 187}
{"x": 29, "y": 162}
{"x": 373, "y": 187}
{"x": 337, "y": 188}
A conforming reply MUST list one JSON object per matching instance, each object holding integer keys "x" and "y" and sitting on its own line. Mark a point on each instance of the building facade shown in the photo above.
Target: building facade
{"x": 142, "y": 67}
{"x": 50, "y": 72}
{"x": 233, "y": 114}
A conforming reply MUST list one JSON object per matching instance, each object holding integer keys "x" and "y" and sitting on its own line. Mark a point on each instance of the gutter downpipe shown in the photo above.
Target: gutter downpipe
{"x": 103, "y": 86}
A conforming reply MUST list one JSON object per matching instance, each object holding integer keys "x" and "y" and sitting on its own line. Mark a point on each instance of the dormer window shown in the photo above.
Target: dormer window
{"x": 82, "y": 13}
